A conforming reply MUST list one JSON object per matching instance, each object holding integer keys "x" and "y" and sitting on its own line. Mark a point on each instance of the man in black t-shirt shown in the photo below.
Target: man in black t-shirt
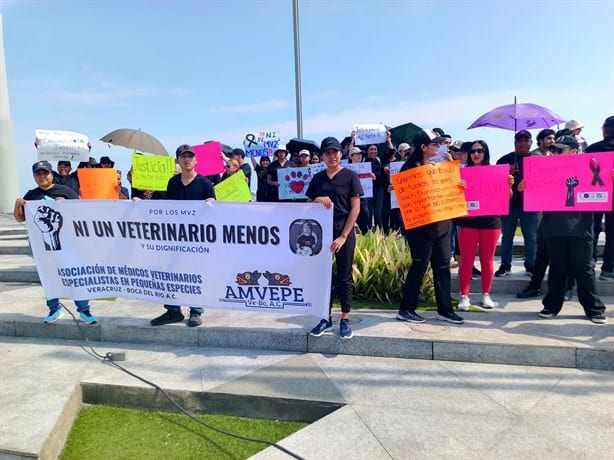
{"x": 48, "y": 190}
{"x": 189, "y": 185}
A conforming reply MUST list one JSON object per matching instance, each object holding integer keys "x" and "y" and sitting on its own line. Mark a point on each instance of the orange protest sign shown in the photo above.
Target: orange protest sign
{"x": 430, "y": 193}
{"x": 98, "y": 183}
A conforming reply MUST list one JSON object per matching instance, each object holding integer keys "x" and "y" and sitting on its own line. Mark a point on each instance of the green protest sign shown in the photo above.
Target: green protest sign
{"x": 152, "y": 172}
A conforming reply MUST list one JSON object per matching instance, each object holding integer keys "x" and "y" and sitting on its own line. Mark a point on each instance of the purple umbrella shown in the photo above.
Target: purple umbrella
{"x": 518, "y": 116}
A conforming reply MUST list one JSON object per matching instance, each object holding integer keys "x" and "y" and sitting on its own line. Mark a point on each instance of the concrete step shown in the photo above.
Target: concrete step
{"x": 510, "y": 334}
{"x": 14, "y": 245}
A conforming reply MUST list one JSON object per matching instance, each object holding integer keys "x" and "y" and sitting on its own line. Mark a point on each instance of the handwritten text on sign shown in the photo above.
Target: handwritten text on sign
{"x": 488, "y": 190}
{"x": 152, "y": 172}
{"x": 370, "y": 134}
{"x": 430, "y": 193}
{"x": 569, "y": 182}
{"x": 61, "y": 145}
{"x": 261, "y": 144}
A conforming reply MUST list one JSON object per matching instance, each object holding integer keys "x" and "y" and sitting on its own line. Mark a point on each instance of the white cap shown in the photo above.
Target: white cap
{"x": 574, "y": 124}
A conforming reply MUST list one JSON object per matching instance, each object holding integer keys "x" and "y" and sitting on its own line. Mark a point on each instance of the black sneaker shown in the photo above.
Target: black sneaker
{"x": 545, "y": 313}
{"x": 504, "y": 270}
{"x": 167, "y": 318}
{"x": 195, "y": 319}
{"x": 599, "y": 318}
{"x": 321, "y": 328}
{"x": 410, "y": 316}
{"x": 475, "y": 273}
{"x": 450, "y": 317}
{"x": 528, "y": 292}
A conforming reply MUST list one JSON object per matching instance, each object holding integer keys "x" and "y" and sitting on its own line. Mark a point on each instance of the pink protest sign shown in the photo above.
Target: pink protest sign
{"x": 581, "y": 182}
{"x": 488, "y": 190}
{"x": 208, "y": 159}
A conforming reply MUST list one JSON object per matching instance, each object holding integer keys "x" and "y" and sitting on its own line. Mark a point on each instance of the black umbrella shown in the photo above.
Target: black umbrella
{"x": 404, "y": 133}
{"x": 296, "y": 144}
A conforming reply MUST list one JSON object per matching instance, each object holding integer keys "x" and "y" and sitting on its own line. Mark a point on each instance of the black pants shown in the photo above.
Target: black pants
{"x": 425, "y": 249}
{"x": 364, "y": 218}
{"x": 342, "y": 283}
{"x": 572, "y": 255}
{"x": 608, "y": 249}
{"x": 542, "y": 259}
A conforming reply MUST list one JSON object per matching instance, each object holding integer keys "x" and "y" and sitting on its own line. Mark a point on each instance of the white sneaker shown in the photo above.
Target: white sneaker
{"x": 464, "y": 304}
{"x": 487, "y": 302}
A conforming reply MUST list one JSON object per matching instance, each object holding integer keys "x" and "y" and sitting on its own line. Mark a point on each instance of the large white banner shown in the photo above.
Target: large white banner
{"x": 234, "y": 256}
{"x": 61, "y": 145}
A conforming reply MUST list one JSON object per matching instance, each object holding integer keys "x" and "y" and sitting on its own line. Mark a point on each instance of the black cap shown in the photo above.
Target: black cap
{"x": 329, "y": 143}
{"x": 425, "y": 136}
{"x": 239, "y": 152}
{"x": 64, "y": 163}
{"x": 44, "y": 165}
{"x": 107, "y": 160}
{"x": 183, "y": 149}
{"x": 567, "y": 141}
{"x": 609, "y": 123}
{"x": 523, "y": 133}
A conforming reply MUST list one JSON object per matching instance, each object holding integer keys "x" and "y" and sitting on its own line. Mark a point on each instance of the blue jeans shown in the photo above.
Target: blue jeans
{"x": 528, "y": 225}
{"x": 82, "y": 305}
{"x": 177, "y": 308}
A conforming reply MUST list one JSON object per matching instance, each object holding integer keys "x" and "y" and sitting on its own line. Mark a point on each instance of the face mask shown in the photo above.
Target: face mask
{"x": 442, "y": 150}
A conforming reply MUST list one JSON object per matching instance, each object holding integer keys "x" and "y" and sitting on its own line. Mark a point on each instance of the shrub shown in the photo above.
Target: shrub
{"x": 380, "y": 267}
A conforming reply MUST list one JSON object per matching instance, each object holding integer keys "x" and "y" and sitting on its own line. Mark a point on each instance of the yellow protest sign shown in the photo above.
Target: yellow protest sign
{"x": 430, "y": 193}
{"x": 152, "y": 172}
{"x": 233, "y": 188}
{"x": 98, "y": 183}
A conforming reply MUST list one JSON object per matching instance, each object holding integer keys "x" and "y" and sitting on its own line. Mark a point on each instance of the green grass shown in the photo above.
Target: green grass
{"x": 109, "y": 433}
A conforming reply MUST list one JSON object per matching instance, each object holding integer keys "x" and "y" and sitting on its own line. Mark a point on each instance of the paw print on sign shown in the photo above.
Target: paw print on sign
{"x": 297, "y": 180}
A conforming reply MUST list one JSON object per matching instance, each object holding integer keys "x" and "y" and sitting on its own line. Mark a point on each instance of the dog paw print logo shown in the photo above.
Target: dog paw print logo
{"x": 297, "y": 180}
{"x": 49, "y": 222}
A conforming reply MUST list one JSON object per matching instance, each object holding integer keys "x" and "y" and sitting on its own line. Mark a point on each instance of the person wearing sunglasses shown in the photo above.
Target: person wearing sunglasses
{"x": 528, "y": 220}
{"x": 478, "y": 231}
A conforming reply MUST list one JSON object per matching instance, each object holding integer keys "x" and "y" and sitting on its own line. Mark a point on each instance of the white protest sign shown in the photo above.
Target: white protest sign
{"x": 364, "y": 172}
{"x": 370, "y": 134}
{"x": 261, "y": 143}
{"x": 395, "y": 167}
{"x": 293, "y": 182}
{"x": 229, "y": 256}
{"x": 61, "y": 145}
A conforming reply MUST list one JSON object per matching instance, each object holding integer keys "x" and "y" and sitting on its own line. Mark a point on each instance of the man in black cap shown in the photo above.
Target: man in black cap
{"x": 239, "y": 155}
{"x": 606, "y": 145}
{"x": 189, "y": 185}
{"x": 47, "y": 190}
{"x": 528, "y": 220}
{"x": 569, "y": 240}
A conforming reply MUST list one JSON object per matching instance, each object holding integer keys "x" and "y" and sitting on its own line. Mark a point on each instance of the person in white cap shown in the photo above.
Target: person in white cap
{"x": 576, "y": 129}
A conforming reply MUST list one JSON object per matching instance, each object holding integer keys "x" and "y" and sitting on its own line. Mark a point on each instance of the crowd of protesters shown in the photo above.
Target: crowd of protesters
{"x": 564, "y": 241}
